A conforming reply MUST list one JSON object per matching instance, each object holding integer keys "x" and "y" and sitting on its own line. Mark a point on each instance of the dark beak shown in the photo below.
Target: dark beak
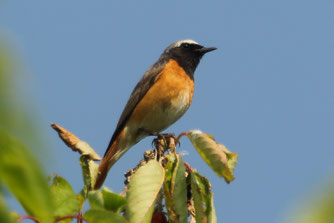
{"x": 205, "y": 50}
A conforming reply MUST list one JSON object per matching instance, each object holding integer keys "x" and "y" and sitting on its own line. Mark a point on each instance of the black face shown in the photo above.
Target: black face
{"x": 187, "y": 51}
{"x": 188, "y": 56}
{"x": 190, "y": 47}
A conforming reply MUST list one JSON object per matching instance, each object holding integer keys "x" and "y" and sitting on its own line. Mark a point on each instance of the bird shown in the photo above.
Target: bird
{"x": 160, "y": 98}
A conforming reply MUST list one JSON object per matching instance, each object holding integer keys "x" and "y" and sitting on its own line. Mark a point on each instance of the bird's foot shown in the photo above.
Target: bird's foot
{"x": 163, "y": 136}
{"x": 162, "y": 142}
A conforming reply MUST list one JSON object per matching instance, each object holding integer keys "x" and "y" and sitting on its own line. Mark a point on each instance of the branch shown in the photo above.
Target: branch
{"x": 177, "y": 140}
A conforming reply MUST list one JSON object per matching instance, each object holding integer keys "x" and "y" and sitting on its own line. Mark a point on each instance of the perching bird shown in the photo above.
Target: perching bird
{"x": 160, "y": 98}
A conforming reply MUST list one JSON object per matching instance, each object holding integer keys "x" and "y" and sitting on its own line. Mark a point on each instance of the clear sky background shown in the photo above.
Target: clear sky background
{"x": 266, "y": 93}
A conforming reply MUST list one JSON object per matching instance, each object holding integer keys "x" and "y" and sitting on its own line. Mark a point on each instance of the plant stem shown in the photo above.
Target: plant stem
{"x": 28, "y": 217}
{"x": 179, "y": 137}
{"x": 79, "y": 216}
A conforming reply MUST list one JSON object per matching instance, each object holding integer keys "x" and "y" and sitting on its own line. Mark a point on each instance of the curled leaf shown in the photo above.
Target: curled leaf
{"x": 89, "y": 172}
{"x": 203, "y": 199}
{"x": 175, "y": 189}
{"x": 220, "y": 159}
{"x": 75, "y": 143}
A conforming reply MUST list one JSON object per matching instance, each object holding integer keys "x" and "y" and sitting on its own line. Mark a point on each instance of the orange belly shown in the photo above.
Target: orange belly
{"x": 166, "y": 101}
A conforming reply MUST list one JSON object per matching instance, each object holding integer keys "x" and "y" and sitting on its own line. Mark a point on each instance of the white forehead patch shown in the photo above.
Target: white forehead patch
{"x": 178, "y": 43}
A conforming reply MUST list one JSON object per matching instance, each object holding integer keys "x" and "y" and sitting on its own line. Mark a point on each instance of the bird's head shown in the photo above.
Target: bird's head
{"x": 187, "y": 53}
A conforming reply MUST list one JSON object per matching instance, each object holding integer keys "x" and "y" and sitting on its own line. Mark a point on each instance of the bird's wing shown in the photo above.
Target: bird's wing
{"x": 137, "y": 94}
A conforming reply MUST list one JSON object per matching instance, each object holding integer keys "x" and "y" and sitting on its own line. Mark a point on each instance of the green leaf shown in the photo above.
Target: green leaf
{"x": 89, "y": 172}
{"x": 95, "y": 199}
{"x": 175, "y": 188}
{"x": 23, "y": 176}
{"x": 203, "y": 199}
{"x": 169, "y": 167}
{"x": 66, "y": 201}
{"x": 17, "y": 114}
{"x": 315, "y": 206}
{"x": 143, "y": 190}
{"x": 179, "y": 190}
{"x": 212, "y": 218}
{"x": 221, "y": 160}
{"x": 85, "y": 150}
{"x": 113, "y": 201}
{"x": 102, "y": 216}
{"x": 106, "y": 200}
{"x": 5, "y": 215}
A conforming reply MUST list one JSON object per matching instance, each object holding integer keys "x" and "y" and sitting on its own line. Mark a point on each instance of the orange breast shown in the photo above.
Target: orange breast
{"x": 166, "y": 101}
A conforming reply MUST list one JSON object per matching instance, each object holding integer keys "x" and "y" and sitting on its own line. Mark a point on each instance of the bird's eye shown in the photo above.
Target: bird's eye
{"x": 185, "y": 45}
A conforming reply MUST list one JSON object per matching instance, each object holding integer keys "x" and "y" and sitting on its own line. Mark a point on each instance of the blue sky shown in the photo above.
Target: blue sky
{"x": 266, "y": 93}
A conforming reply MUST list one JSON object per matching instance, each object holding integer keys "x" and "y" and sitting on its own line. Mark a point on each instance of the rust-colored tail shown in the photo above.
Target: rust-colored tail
{"x": 114, "y": 152}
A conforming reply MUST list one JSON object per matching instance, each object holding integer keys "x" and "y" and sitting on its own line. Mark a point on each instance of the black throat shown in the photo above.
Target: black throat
{"x": 187, "y": 60}
{"x": 189, "y": 64}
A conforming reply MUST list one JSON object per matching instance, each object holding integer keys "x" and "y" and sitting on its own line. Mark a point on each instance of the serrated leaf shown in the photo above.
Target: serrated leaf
{"x": 106, "y": 200}
{"x": 66, "y": 201}
{"x": 169, "y": 167}
{"x": 103, "y": 216}
{"x": 179, "y": 190}
{"x": 212, "y": 218}
{"x": 143, "y": 190}
{"x": 200, "y": 215}
{"x": 220, "y": 159}
{"x": 175, "y": 188}
{"x": 203, "y": 199}
{"x": 24, "y": 178}
{"x": 89, "y": 171}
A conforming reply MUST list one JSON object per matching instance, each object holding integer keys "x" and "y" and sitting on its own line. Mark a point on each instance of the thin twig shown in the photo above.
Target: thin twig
{"x": 188, "y": 167}
{"x": 70, "y": 216}
{"x": 28, "y": 217}
{"x": 179, "y": 137}
{"x": 80, "y": 220}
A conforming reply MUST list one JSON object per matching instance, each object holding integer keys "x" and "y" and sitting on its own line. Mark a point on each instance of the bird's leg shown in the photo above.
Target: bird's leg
{"x": 166, "y": 137}
{"x": 160, "y": 147}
